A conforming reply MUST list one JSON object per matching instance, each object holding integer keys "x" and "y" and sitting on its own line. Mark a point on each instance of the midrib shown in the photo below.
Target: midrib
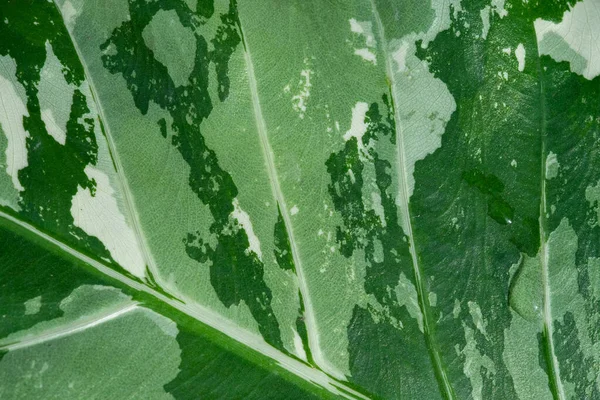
{"x": 67, "y": 330}
{"x": 130, "y": 207}
{"x": 555, "y": 381}
{"x": 440, "y": 372}
{"x": 206, "y": 316}
{"x": 261, "y": 126}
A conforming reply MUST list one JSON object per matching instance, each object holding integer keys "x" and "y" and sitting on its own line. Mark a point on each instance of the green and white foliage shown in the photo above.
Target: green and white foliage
{"x": 300, "y": 199}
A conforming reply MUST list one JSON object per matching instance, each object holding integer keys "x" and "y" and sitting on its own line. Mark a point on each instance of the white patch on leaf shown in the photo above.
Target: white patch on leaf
{"x": 99, "y": 215}
{"x": 12, "y": 111}
{"x": 580, "y": 30}
{"x": 520, "y": 54}
{"x": 243, "y": 219}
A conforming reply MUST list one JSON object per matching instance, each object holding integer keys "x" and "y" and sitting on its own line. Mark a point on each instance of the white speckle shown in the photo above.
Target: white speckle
{"x": 320, "y": 233}
{"x": 12, "y": 111}
{"x": 99, "y": 216}
{"x": 520, "y": 54}
{"x": 243, "y": 219}
{"x": 294, "y": 210}
{"x": 286, "y": 88}
{"x": 332, "y": 249}
{"x": 300, "y": 100}
{"x": 513, "y": 163}
{"x": 507, "y": 50}
{"x": 552, "y": 166}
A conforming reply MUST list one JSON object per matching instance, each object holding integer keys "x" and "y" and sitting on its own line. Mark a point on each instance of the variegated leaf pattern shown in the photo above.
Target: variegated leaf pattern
{"x": 301, "y": 199}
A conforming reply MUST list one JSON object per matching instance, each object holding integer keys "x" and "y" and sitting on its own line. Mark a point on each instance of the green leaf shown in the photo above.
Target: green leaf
{"x": 301, "y": 199}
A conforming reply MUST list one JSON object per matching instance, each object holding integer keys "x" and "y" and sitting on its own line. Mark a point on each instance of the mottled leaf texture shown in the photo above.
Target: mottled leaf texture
{"x": 364, "y": 199}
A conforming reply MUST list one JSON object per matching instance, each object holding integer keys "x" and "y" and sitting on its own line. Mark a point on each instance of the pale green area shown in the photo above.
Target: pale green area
{"x": 237, "y": 144}
{"x": 555, "y": 45}
{"x": 84, "y": 305}
{"x": 552, "y": 166}
{"x": 526, "y": 291}
{"x": 521, "y": 355}
{"x": 592, "y": 195}
{"x": 130, "y": 356}
{"x": 566, "y": 298}
{"x": 407, "y": 296}
{"x": 284, "y": 51}
{"x": 33, "y": 305}
{"x": 55, "y": 96}
{"x": 157, "y": 165}
{"x": 9, "y": 194}
{"x": 476, "y": 365}
{"x": 176, "y": 50}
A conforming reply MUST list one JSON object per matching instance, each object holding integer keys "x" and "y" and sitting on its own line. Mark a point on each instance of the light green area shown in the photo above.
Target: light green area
{"x": 33, "y": 305}
{"x": 476, "y": 364}
{"x": 566, "y": 298}
{"x": 592, "y": 195}
{"x": 175, "y": 50}
{"x": 555, "y": 45}
{"x": 526, "y": 291}
{"x": 406, "y": 294}
{"x": 522, "y": 355}
{"x": 552, "y": 166}
{"x": 9, "y": 194}
{"x": 134, "y": 355}
{"x": 55, "y": 96}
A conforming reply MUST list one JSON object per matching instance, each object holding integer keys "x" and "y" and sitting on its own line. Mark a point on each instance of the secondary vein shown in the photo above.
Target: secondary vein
{"x": 440, "y": 371}
{"x": 261, "y": 126}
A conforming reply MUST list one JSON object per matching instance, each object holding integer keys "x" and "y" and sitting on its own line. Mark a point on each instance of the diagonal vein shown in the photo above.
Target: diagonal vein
{"x": 440, "y": 371}
{"x": 550, "y": 354}
{"x": 130, "y": 207}
{"x": 204, "y": 316}
{"x": 70, "y": 329}
{"x": 261, "y": 126}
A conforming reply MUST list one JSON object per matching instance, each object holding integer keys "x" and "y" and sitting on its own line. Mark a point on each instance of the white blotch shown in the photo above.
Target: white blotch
{"x": 69, "y": 14}
{"x": 294, "y": 210}
{"x": 400, "y": 56}
{"x": 358, "y": 127}
{"x": 485, "y": 20}
{"x": 580, "y": 29}
{"x": 507, "y": 50}
{"x": 12, "y": 112}
{"x": 520, "y": 54}
{"x": 243, "y": 219}
{"x": 99, "y": 215}
{"x": 52, "y": 126}
{"x": 56, "y": 96}
{"x": 366, "y": 54}
{"x": 33, "y": 306}
{"x": 365, "y": 30}
{"x": 298, "y": 345}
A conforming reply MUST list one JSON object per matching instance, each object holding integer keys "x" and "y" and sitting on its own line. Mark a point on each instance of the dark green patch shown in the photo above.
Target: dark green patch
{"x": 283, "y": 250}
{"x": 236, "y": 273}
{"x": 498, "y": 209}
